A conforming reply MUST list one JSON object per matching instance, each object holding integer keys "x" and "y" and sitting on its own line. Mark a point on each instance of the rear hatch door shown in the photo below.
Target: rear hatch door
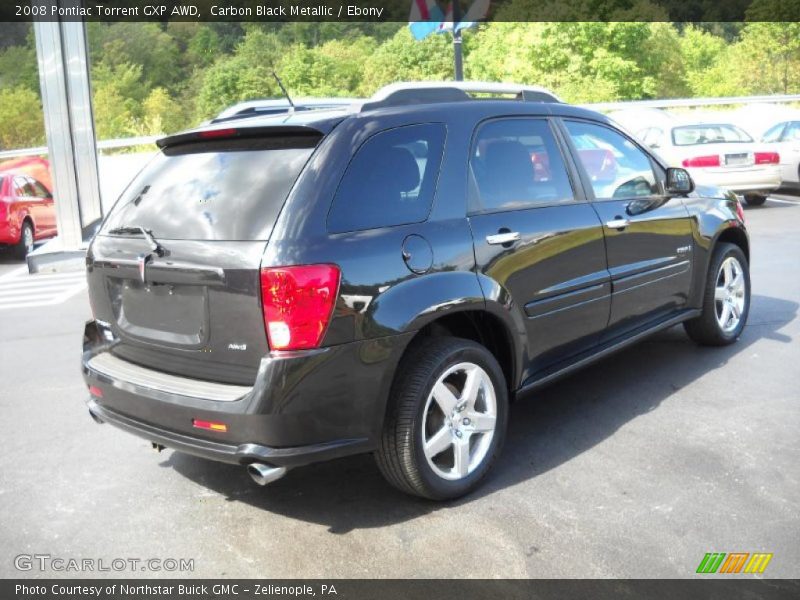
{"x": 174, "y": 270}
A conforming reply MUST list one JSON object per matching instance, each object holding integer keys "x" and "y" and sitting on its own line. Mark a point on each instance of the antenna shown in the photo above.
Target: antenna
{"x": 283, "y": 89}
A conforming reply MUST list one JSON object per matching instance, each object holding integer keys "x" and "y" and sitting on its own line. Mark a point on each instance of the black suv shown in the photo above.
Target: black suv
{"x": 280, "y": 290}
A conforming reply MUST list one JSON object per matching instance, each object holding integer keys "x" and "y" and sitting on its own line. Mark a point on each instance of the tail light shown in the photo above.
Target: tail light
{"x": 702, "y": 161}
{"x": 767, "y": 158}
{"x": 298, "y": 303}
{"x": 739, "y": 210}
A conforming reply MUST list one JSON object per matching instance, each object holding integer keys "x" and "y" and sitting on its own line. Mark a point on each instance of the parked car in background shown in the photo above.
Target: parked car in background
{"x": 293, "y": 288}
{"x": 720, "y": 154}
{"x": 784, "y": 138}
{"x": 27, "y": 212}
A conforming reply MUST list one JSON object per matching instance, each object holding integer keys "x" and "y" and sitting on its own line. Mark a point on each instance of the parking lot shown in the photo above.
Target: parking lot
{"x": 634, "y": 467}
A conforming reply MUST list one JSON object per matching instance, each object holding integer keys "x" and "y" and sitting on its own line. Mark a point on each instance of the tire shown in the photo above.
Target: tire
{"x": 721, "y": 289}
{"x": 755, "y": 199}
{"x": 415, "y": 418}
{"x": 25, "y": 244}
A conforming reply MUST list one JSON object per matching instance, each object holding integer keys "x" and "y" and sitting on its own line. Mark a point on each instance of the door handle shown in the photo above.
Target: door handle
{"x": 617, "y": 223}
{"x": 506, "y": 237}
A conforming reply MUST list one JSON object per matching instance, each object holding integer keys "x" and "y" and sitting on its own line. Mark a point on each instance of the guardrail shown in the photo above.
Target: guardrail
{"x": 102, "y": 145}
{"x": 599, "y": 106}
{"x": 692, "y": 102}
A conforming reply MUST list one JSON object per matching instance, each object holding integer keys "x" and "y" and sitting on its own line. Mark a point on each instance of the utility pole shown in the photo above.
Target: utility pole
{"x": 459, "y": 60}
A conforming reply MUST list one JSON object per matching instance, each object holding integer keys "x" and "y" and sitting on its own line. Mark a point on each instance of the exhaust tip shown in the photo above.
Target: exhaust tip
{"x": 95, "y": 418}
{"x": 263, "y": 474}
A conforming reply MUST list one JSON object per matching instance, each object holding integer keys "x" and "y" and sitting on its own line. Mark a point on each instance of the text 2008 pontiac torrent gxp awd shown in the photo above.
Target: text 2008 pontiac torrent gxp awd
{"x": 279, "y": 290}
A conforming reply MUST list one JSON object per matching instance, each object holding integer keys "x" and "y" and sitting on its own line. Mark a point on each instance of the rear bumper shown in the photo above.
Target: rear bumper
{"x": 752, "y": 179}
{"x": 228, "y": 453}
{"x": 303, "y": 407}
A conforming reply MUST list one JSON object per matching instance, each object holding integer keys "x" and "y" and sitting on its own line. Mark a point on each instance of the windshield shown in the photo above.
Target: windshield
{"x": 211, "y": 191}
{"x": 693, "y": 135}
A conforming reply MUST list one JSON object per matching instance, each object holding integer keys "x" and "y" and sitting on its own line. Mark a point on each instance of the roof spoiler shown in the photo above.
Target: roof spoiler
{"x": 226, "y": 132}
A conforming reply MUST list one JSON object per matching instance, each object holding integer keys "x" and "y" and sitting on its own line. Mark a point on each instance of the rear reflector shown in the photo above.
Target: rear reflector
{"x": 297, "y": 304}
{"x": 217, "y": 133}
{"x": 210, "y": 425}
{"x": 702, "y": 161}
{"x": 767, "y": 158}
{"x": 95, "y": 391}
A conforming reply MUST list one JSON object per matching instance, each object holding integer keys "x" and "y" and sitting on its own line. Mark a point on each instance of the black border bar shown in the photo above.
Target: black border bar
{"x": 705, "y": 587}
{"x": 275, "y": 11}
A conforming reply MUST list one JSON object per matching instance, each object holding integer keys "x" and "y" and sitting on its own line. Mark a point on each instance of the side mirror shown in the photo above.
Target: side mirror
{"x": 679, "y": 182}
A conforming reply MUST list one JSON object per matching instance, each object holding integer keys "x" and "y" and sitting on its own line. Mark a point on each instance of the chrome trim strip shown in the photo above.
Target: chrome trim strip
{"x": 111, "y": 366}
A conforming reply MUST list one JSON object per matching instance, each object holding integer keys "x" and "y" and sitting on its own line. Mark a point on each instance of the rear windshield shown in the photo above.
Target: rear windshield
{"x": 225, "y": 190}
{"x": 692, "y": 135}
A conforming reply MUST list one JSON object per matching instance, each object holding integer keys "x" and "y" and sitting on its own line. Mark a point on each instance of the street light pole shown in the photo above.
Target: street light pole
{"x": 457, "y": 53}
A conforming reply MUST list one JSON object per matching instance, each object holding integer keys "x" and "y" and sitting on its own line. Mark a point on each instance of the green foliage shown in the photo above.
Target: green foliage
{"x": 402, "y": 58}
{"x": 21, "y": 123}
{"x": 153, "y": 78}
{"x": 18, "y": 67}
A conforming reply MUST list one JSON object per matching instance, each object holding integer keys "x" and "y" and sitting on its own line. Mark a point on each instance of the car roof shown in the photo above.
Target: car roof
{"x": 422, "y": 98}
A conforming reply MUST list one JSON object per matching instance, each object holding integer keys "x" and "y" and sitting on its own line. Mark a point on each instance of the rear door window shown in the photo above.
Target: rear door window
{"x": 222, "y": 190}
{"x": 390, "y": 181}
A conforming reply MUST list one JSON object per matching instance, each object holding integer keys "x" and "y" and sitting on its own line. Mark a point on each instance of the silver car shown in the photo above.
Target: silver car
{"x": 719, "y": 154}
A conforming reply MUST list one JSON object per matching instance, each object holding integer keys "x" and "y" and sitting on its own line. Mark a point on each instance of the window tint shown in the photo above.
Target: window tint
{"x": 616, "y": 167}
{"x": 24, "y": 187}
{"x": 693, "y": 135}
{"x": 792, "y": 133}
{"x": 516, "y": 164}
{"x": 39, "y": 190}
{"x": 773, "y": 133}
{"x": 222, "y": 190}
{"x": 390, "y": 181}
{"x": 652, "y": 137}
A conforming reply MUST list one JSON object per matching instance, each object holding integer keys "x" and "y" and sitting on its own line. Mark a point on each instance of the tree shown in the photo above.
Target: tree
{"x": 21, "y": 121}
{"x": 334, "y": 69}
{"x": 402, "y": 58}
{"x": 160, "y": 114}
{"x": 244, "y": 76}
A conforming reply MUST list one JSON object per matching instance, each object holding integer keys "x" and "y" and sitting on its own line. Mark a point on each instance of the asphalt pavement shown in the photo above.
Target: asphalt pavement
{"x": 635, "y": 467}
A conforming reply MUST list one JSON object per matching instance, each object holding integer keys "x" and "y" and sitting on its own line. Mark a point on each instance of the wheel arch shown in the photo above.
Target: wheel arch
{"x": 482, "y": 327}
{"x": 731, "y": 233}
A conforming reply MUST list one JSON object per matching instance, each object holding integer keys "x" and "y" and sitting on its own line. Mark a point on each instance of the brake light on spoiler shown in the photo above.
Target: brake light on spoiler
{"x": 298, "y": 303}
{"x": 216, "y": 133}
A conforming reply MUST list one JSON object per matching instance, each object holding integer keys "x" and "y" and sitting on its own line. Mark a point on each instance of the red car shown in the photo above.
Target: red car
{"x": 27, "y": 213}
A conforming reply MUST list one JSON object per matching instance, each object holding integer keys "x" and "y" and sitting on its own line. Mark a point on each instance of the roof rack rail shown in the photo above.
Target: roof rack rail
{"x": 426, "y": 92}
{"x": 275, "y": 106}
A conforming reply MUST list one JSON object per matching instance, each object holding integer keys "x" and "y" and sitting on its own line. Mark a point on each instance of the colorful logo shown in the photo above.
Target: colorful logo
{"x": 735, "y": 562}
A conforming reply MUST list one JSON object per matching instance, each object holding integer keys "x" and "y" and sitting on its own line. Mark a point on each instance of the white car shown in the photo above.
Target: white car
{"x": 784, "y": 138}
{"x": 719, "y": 154}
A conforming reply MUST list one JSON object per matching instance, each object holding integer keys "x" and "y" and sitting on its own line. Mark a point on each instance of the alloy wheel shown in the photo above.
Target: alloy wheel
{"x": 729, "y": 294}
{"x": 459, "y": 421}
{"x": 27, "y": 239}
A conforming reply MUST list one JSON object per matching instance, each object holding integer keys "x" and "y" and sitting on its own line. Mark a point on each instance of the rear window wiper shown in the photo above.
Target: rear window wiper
{"x": 147, "y": 233}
